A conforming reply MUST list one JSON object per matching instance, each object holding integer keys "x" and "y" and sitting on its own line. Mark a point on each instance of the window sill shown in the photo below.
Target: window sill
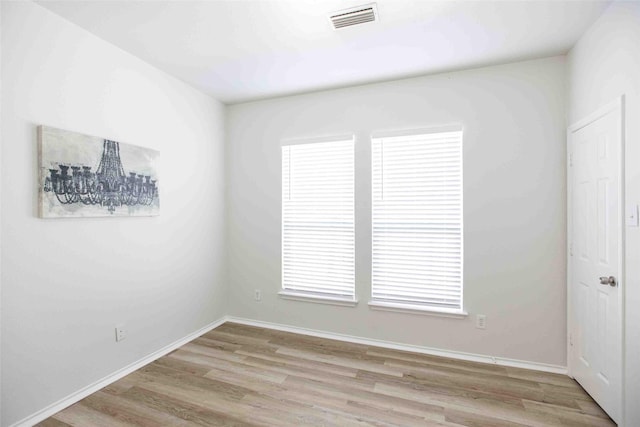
{"x": 417, "y": 309}
{"x": 318, "y": 299}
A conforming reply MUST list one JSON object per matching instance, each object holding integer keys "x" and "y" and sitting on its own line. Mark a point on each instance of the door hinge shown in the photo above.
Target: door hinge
{"x": 570, "y": 340}
{"x": 570, "y": 159}
{"x": 571, "y": 249}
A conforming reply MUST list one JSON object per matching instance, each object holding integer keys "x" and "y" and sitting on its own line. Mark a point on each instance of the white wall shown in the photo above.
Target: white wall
{"x": 514, "y": 205}
{"x": 605, "y": 64}
{"x": 67, "y": 283}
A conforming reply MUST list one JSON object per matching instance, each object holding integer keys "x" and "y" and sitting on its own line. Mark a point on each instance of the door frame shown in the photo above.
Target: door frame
{"x": 617, "y": 105}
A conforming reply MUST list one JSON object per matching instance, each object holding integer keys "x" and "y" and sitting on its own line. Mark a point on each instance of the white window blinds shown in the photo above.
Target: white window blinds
{"x": 318, "y": 249}
{"x": 417, "y": 220}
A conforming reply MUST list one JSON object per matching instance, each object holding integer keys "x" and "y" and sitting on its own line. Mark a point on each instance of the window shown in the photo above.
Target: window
{"x": 417, "y": 221}
{"x": 318, "y": 248}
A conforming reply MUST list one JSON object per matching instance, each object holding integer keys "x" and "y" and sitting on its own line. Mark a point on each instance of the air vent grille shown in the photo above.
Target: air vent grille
{"x": 354, "y": 16}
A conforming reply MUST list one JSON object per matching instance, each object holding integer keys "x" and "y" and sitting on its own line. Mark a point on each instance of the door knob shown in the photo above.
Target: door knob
{"x": 611, "y": 281}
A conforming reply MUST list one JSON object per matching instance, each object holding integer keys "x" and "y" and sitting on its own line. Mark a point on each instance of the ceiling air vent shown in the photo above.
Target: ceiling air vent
{"x": 354, "y": 16}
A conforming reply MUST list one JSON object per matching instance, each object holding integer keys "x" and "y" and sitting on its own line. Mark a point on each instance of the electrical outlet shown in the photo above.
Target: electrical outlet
{"x": 257, "y": 295}
{"x": 121, "y": 333}
{"x": 632, "y": 216}
{"x": 481, "y": 321}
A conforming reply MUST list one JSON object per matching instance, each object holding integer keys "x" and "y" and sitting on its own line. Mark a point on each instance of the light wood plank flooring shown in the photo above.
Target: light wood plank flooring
{"x": 240, "y": 375}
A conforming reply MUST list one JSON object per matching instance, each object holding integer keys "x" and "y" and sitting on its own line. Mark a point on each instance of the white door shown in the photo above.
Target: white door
{"x": 595, "y": 257}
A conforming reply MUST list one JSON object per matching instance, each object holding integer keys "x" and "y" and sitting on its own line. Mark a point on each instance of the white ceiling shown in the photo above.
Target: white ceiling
{"x": 239, "y": 50}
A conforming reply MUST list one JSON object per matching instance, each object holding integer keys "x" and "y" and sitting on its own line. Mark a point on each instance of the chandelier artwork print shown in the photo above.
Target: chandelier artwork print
{"x": 87, "y": 176}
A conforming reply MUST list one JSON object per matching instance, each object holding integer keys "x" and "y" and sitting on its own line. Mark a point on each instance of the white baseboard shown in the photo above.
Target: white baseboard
{"x": 111, "y": 378}
{"x": 502, "y": 361}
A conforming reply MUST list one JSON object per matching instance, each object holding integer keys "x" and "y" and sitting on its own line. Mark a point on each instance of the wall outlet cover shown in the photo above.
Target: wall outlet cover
{"x": 121, "y": 333}
{"x": 481, "y": 321}
{"x": 632, "y": 216}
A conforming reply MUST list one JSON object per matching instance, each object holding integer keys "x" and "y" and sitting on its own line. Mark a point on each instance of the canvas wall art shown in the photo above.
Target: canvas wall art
{"x": 87, "y": 176}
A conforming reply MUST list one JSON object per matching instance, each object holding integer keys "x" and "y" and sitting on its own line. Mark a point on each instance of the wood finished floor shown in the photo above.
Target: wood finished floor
{"x": 240, "y": 375}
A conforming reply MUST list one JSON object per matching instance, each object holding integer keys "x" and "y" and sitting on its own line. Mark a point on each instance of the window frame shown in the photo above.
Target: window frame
{"x": 410, "y": 306}
{"x": 323, "y": 298}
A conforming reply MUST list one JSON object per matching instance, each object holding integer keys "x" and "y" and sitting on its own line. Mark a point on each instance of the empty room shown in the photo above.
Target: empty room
{"x": 319, "y": 213}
